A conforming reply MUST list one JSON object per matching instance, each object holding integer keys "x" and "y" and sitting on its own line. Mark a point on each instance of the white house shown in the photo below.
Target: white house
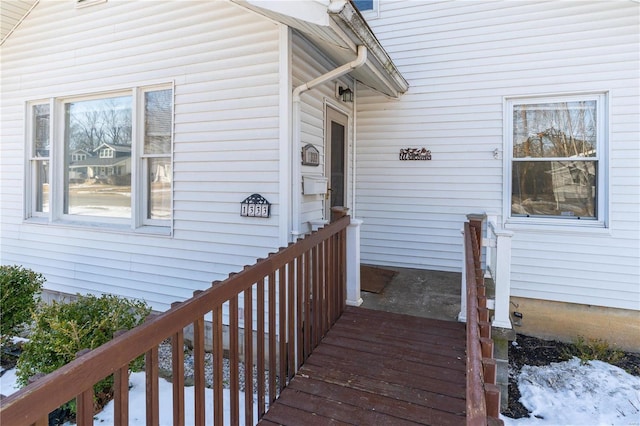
{"x": 180, "y": 111}
{"x": 531, "y": 111}
{"x": 528, "y": 112}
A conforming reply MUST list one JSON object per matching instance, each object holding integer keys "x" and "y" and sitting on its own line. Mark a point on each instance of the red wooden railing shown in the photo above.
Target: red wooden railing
{"x": 483, "y": 395}
{"x": 304, "y": 283}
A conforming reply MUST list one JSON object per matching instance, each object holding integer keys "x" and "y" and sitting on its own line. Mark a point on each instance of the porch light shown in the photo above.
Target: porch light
{"x": 346, "y": 94}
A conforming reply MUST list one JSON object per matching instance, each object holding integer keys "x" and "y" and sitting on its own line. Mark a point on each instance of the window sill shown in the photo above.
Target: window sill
{"x": 551, "y": 226}
{"x": 104, "y": 227}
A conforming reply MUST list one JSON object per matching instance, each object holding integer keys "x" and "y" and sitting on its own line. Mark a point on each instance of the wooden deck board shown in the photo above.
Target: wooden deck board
{"x": 379, "y": 368}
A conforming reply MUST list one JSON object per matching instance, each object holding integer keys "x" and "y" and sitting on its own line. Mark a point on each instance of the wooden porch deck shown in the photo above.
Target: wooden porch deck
{"x": 379, "y": 368}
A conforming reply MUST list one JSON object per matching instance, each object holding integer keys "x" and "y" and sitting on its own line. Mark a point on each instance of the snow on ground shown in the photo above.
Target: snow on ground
{"x": 575, "y": 393}
{"x": 8, "y": 382}
{"x": 137, "y": 402}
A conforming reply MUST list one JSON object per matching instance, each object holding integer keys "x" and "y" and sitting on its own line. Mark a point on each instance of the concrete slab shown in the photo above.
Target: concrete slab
{"x": 418, "y": 292}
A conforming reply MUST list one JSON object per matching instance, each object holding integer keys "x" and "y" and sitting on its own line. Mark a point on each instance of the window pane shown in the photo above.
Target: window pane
{"x": 98, "y": 157}
{"x": 159, "y": 190}
{"x": 157, "y": 122}
{"x": 552, "y": 130}
{"x": 363, "y": 5}
{"x": 41, "y": 130}
{"x": 554, "y": 188}
{"x": 41, "y": 179}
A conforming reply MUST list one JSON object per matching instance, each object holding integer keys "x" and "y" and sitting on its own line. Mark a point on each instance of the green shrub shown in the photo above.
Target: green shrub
{"x": 62, "y": 329}
{"x": 594, "y": 349}
{"x": 19, "y": 296}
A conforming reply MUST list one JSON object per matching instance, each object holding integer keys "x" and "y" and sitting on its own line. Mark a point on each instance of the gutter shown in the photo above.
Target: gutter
{"x": 350, "y": 20}
{"x": 296, "y": 191}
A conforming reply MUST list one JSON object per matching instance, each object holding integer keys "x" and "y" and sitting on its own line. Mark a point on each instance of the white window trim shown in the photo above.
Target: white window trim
{"x": 553, "y": 224}
{"x": 55, "y": 216}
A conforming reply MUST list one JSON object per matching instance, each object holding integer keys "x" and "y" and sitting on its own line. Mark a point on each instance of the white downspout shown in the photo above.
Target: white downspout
{"x": 354, "y": 172}
{"x": 296, "y": 190}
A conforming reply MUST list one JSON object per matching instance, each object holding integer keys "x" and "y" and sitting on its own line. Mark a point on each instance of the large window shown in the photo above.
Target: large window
{"x": 557, "y": 158}
{"x": 110, "y": 158}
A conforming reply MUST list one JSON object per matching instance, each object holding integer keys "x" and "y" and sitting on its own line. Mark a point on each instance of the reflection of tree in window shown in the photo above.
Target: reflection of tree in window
{"x": 102, "y": 128}
{"x": 41, "y": 139}
{"x": 92, "y": 123}
{"x": 157, "y": 152}
{"x": 554, "y": 159}
{"x": 157, "y": 123}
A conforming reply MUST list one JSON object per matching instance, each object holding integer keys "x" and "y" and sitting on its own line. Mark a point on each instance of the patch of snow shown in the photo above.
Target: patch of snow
{"x": 576, "y": 393}
{"x": 137, "y": 402}
{"x": 9, "y": 382}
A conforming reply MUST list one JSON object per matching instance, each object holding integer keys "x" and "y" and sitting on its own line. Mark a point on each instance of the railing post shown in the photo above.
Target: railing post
{"x": 353, "y": 263}
{"x": 475, "y": 220}
{"x": 503, "y": 279}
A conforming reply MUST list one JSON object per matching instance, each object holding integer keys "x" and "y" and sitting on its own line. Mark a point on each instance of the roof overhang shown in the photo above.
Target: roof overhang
{"x": 12, "y": 13}
{"x": 336, "y": 28}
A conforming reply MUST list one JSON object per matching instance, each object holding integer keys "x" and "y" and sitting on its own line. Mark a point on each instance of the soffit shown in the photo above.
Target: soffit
{"x": 336, "y": 32}
{"x": 12, "y": 12}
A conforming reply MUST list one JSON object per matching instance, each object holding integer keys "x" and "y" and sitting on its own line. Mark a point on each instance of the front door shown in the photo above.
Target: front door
{"x": 335, "y": 159}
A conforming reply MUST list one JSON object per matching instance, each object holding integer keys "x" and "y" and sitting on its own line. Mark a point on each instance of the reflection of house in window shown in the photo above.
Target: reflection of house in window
{"x": 573, "y": 181}
{"x": 108, "y": 163}
{"x": 106, "y": 153}
{"x": 79, "y": 155}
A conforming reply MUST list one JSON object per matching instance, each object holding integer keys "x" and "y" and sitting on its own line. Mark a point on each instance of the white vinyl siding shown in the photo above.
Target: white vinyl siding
{"x": 462, "y": 59}
{"x": 309, "y": 63}
{"x": 224, "y": 62}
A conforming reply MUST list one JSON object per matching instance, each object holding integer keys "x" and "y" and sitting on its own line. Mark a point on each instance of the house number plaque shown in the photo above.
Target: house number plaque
{"x": 415, "y": 154}
{"x": 255, "y": 206}
{"x": 310, "y": 155}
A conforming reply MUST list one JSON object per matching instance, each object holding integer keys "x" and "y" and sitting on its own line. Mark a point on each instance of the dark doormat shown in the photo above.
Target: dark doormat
{"x": 373, "y": 279}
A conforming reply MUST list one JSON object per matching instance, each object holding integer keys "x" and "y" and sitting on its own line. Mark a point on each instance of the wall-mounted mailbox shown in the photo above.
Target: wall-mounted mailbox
{"x": 314, "y": 185}
{"x": 255, "y": 206}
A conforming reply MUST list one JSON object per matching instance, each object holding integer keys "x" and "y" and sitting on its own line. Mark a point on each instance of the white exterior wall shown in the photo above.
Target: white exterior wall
{"x": 225, "y": 63}
{"x": 309, "y": 63}
{"x": 461, "y": 60}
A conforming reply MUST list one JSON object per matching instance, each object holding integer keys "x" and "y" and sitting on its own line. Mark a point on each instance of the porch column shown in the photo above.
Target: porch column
{"x": 353, "y": 263}
{"x": 502, "y": 279}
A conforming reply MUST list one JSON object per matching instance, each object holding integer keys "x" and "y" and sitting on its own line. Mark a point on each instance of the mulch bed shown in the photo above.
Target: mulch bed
{"x": 538, "y": 352}
{"x": 9, "y": 356}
